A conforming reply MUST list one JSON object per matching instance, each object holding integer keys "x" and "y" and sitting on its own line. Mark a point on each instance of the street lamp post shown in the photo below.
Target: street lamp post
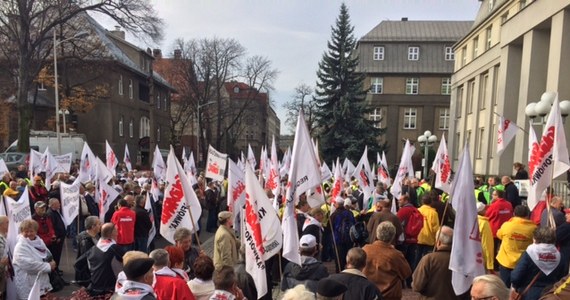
{"x": 426, "y": 140}
{"x": 542, "y": 108}
{"x": 56, "y": 87}
{"x": 199, "y": 135}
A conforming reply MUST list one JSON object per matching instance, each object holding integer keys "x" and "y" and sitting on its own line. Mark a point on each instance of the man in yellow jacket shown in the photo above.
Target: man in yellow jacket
{"x": 426, "y": 237}
{"x": 515, "y": 235}
{"x": 487, "y": 242}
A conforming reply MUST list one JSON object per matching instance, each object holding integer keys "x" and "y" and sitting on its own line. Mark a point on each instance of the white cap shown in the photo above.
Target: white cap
{"x": 308, "y": 241}
{"x": 347, "y": 202}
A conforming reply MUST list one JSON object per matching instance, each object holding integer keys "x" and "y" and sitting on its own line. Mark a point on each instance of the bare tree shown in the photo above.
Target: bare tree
{"x": 302, "y": 99}
{"x": 27, "y": 28}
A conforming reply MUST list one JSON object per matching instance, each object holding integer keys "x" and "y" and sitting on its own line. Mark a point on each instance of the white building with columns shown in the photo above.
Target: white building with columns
{"x": 515, "y": 51}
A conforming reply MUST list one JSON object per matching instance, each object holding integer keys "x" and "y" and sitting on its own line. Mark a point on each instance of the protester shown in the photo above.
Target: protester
{"x": 499, "y": 212}
{"x": 31, "y": 259}
{"x": 309, "y": 272}
{"x": 45, "y": 227}
{"x": 536, "y": 213}
{"x": 563, "y": 240}
{"x": 225, "y": 243}
{"x": 176, "y": 261}
{"x": 386, "y": 267}
{"x": 487, "y": 243}
{"x": 426, "y": 237}
{"x": 330, "y": 289}
{"x": 124, "y": 220}
{"x": 383, "y": 214}
{"x": 167, "y": 284}
{"x": 226, "y": 286}
{"x": 539, "y": 266}
{"x": 4, "y": 259}
{"x": 301, "y": 213}
{"x": 244, "y": 280}
{"x": 202, "y": 286}
{"x": 143, "y": 224}
{"x": 12, "y": 190}
{"x": 299, "y": 292}
{"x": 100, "y": 261}
{"x": 489, "y": 287}
{"x": 313, "y": 225}
{"x": 410, "y": 244}
{"x": 511, "y": 191}
{"x": 557, "y": 214}
{"x": 183, "y": 240}
{"x": 436, "y": 266}
{"x": 54, "y": 213}
{"x": 342, "y": 219}
{"x": 357, "y": 285}
{"x": 521, "y": 173}
{"x": 88, "y": 238}
{"x": 122, "y": 277}
{"x": 139, "y": 279}
{"x": 38, "y": 192}
{"x": 516, "y": 235}
{"x": 211, "y": 199}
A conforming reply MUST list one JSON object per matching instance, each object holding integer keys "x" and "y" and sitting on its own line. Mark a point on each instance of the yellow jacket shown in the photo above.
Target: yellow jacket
{"x": 487, "y": 242}
{"x": 431, "y": 225}
{"x": 515, "y": 234}
{"x": 326, "y": 214}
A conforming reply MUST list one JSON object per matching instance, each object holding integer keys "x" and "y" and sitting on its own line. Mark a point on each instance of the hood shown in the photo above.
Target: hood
{"x": 134, "y": 290}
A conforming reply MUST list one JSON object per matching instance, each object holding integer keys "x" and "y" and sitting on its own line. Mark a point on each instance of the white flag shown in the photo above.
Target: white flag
{"x": 253, "y": 235}
{"x": 179, "y": 202}
{"x": 442, "y": 167}
{"x": 215, "y": 164}
{"x": 17, "y": 211}
{"x": 505, "y": 133}
{"x": 552, "y": 159}
{"x": 107, "y": 194}
{"x": 285, "y": 163}
{"x": 35, "y": 293}
{"x": 35, "y": 164}
{"x": 69, "y": 200}
{"x": 303, "y": 175}
{"x": 103, "y": 173}
{"x": 338, "y": 181}
{"x": 63, "y": 162}
{"x": 111, "y": 159}
{"x": 348, "y": 168}
{"x": 251, "y": 157}
{"x": 158, "y": 165}
{"x": 150, "y": 211}
{"x": 263, "y": 165}
{"x": 533, "y": 156}
{"x": 382, "y": 169}
{"x": 273, "y": 181}
{"x": 236, "y": 191}
{"x": 466, "y": 260}
{"x": 3, "y": 168}
{"x": 363, "y": 174}
{"x": 127, "y": 159}
{"x": 326, "y": 172}
{"x": 50, "y": 166}
{"x": 88, "y": 165}
{"x": 405, "y": 169}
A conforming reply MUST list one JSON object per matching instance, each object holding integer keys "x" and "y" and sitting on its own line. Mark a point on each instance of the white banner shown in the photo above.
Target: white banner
{"x": 215, "y": 164}
{"x": 64, "y": 162}
{"x": 69, "y": 200}
{"x": 110, "y": 159}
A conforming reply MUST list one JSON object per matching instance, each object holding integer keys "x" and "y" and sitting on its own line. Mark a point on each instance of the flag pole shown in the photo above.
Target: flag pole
{"x": 521, "y": 128}
{"x": 441, "y": 222}
{"x": 333, "y": 238}
{"x": 195, "y": 231}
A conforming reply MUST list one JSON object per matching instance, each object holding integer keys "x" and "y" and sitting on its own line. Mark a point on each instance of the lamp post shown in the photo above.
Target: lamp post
{"x": 56, "y": 43}
{"x": 542, "y": 108}
{"x": 426, "y": 140}
{"x": 200, "y": 130}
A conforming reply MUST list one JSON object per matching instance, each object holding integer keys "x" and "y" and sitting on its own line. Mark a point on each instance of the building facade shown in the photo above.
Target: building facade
{"x": 515, "y": 51}
{"x": 408, "y": 67}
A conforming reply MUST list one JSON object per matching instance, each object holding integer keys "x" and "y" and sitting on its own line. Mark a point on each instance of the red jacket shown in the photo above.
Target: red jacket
{"x": 168, "y": 286}
{"x": 404, "y": 215}
{"x": 45, "y": 228}
{"x": 498, "y": 213}
{"x": 124, "y": 219}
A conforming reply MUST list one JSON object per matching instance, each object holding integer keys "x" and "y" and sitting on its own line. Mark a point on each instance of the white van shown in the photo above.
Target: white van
{"x": 40, "y": 140}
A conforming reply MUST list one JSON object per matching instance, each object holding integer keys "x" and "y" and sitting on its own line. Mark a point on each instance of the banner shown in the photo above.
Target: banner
{"x": 88, "y": 165}
{"x": 17, "y": 211}
{"x": 363, "y": 174}
{"x": 273, "y": 179}
{"x": 505, "y": 133}
{"x": 35, "y": 164}
{"x": 158, "y": 165}
{"x": 103, "y": 173}
{"x": 64, "y": 162}
{"x": 69, "y": 200}
{"x": 216, "y": 164}
{"x": 236, "y": 191}
{"x": 406, "y": 169}
{"x": 442, "y": 167}
{"x": 3, "y": 168}
{"x": 251, "y": 157}
{"x": 127, "y": 159}
{"x": 148, "y": 207}
{"x": 111, "y": 159}
{"x": 107, "y": 194}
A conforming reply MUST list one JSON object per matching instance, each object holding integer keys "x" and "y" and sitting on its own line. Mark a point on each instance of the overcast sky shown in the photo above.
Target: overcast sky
{"x": 293, "y": 34}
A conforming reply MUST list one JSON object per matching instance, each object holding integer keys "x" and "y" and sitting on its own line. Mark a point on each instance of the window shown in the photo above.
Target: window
{"x": 483, "y": 91}
{"x": 459, "y": 101}
{"x": 165, "y": 104}
{"x": 158, "y": 134}
{"x": 449, "y": 55}
{"x": 41, "y": 86}
{"x": 412, "y": 85}
{"x": 121, "y": 85}
{"x": 410, "y": 118}
{"x": 522, "y": 4}
{"x": 130, "y": 89}
{"x": 413, "y": 53}
{"x": 376, "y": 85}
{"x": 131, "y": 128}
{"x": 443, "y": 118}
{"x": 504, "y": 17}
{"x": 121, "y": 132}
{"x": 488, "y": 33}
{"x": 464, "y": 56}
{"x": 144, "y": 129}
{"x": 470, "y": 95}
{"x": 475, "y": 47}
{"x": 457, "y": 146}
{"x": 491, "y": 4}
{"x": 480, "y": 144}
{"x": 376, "y": 117}
{"x": 446, "y": 86}
{"x": 158, "y": 101}
{"x": 378, "y": 53}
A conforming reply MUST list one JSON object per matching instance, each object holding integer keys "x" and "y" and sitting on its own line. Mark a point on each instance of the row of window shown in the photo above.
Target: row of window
{"x": 144, "y": 128}
{"x": 475, "y": 47}
{"x": 161, "y": 102}
{"x": 413, "y": 53}
{"x": 412, "y": 85}
{"x": 476, "y": 98}
{"x": 410, "y": 118}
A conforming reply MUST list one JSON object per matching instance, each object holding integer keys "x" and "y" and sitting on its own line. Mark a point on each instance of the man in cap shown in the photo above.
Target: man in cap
{"x": 309, "y": 272}
{"x": 330, "y": 289}
{"x": 45, "y": 226}
{"x": 139, "y": 280}
{"x": 38, "y": 192}
{"x": 225, "y": 243}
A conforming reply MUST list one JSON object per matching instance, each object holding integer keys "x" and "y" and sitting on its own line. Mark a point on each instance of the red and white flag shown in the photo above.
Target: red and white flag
{"x": 251, "y": 157}
{"x": 148, "y": 207}
{"x": 158, "y": 165}
{"x": 215, "y": 164}
{"x": 303, "y": 175}
{"x": 253, "y": 235}
{"x": 550, "y": 159}
{"x": 103, "y": 173}
{"x": 88, "y": 165}
{"x": 236, "y": 190}
{"x": 442, "y": 167}
{"x": 382, "y": 171}
{"x": 363, "y": 174}
{"x": 107, "y": 194}
{"x": 111, "y": 158}
{"x": 189, "y": 166}
{"x": 179, "y": 201}
{"x": 273, "y": 181}
{"x": 338, "y": 181}
{"x": 50, "y": 167}
{"x": 466, "y": 261}
{"x": 506, "y": 132}
{"x": 406, "y": 169}
{"x": 127, "y": 159}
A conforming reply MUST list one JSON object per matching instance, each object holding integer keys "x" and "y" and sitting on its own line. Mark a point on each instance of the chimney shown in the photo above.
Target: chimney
{"x": 177, "y": 54}
{"x": 157, "y": 53}
{"x": 404, "y": 19}
{"x": 118, "y": 32}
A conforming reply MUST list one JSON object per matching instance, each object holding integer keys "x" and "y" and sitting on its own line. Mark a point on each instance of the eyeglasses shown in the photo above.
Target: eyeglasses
{"x": 482, "y": 298}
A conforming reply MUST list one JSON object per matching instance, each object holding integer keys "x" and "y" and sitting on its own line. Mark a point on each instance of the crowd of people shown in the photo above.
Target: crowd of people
{"x": 394, "y": 243}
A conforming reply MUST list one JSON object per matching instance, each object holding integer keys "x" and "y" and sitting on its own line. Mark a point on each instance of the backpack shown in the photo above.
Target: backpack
{"x": 359, "y": 233}
{"x": 414, "y": 224}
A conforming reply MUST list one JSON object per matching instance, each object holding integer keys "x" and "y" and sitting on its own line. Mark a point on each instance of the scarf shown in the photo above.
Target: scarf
{"x": 104, "y": 244}
{"x": 38, "y": 245}
{"x": 165, "y": 271}
{"x": 135, "y": 290}
{"x": 545, "y": 256}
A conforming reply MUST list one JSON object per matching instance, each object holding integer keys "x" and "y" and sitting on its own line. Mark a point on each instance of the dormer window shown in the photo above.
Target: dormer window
{"x": 236, "y": 89}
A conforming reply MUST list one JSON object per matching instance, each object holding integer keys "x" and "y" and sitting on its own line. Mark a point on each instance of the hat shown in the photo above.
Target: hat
{"x": 137, "y": 267}
{"x": 567, "y": 210}
{"x": 330, "y": 288}
{"x": 40, "y": 204}
{"x": 308, "y": 241}
{"x": 224, "y": 215}
{"x": 37, "y": 177}
{"x": 480, "y": 206}
{"x": 347, "y": 202}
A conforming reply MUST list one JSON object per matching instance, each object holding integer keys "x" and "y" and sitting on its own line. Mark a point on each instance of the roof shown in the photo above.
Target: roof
{"x": 485, "y": 10}
{"x": 432, "y": 31}
{"x": 245, "y": 92}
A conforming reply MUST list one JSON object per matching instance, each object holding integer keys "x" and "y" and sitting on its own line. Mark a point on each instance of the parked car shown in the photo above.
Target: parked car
{"x": 14, "y": 159}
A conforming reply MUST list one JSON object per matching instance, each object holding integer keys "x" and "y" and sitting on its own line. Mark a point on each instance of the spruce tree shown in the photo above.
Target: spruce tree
{"x": 342, "y": 113}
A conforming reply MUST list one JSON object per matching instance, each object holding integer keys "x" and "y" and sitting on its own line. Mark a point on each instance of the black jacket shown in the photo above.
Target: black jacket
{"x": 358, "y": 287}
{"x": 308, "y": 274}
{"x": 142, "y": 222}
{"x": 102, "y": 276}
{"x": 512, "y": 194}
{"x": 245, "y": 281}
{"x": 58, "y": 224}
{"x": 91, "y": 205}
{"x": 84, "y": 242}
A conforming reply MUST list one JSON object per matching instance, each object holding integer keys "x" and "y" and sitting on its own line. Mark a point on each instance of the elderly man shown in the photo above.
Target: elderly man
{"x": 381, "y": 215}
{"x": 358, "y": 286}
{"x": 85, "y": 241}
{"x": 225, "y": 243}
{"x": 436, "y": 265}
{"x": 556, "y": 204}
{"x": 489, "y": 287}
{"x": 125, "y": 219}
{"x": 139, "y": 280}
{"x": 45, "y": 229}
{"x": 100, "y": 261}
{"x": 386, "y": 267}
{"x": 183, "y": 240}
{"x": 511, "y": 191}
{"x": 167, "y": 284}
{"x": 309, "y": 272}
{"x": 54, "y": 213}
